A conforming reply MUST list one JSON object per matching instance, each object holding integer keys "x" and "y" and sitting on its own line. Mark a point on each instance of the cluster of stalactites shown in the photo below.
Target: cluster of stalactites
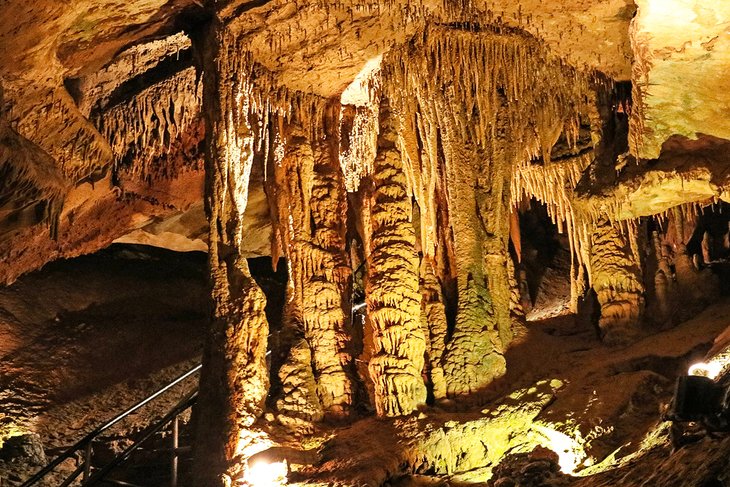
{"x": 552, "y": 183}
{"x": 462, "y": 76}
{"x": 148, "y": 125}
{"x": 475, "y": 67}
{"x": 359, "y": 127}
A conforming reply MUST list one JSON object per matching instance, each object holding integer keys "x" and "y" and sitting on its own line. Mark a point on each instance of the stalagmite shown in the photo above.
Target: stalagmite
{"x": 392, "y": 293}
{"x": 234, "y": 381}
{"x": 618, "y": 284}
{"x": 435, "y": 327}
{"x": 516, "y": 311}
{"x": 473, "y": 356}
{"x": 298, "y": 405}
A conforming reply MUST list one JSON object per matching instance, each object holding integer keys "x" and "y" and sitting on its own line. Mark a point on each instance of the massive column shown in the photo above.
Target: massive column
{"x": 234, "y": 381}
{"x": 477, "y": 101}
{"x": 474, "y": 357}
{"x": 392, "y": 292}
{"x": 327, "y": 305}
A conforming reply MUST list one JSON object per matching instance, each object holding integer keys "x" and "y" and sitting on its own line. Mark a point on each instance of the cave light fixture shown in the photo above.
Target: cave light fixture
{"x": 266, "y": 474}
{"x": 710, "y": 369}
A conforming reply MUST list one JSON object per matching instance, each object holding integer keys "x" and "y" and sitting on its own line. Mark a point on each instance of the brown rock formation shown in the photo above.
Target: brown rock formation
{"x": 616, "y": 277}
{"x": 234, "y": 381}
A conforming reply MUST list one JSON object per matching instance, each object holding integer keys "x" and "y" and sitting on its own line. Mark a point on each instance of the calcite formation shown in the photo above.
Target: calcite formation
{"x": 406, "y": 136}
{"x": 616, "y": 275}
{"x": 235, "y": 381}
{"x": 311, "y": 208}
{"x": 392, "y": 292}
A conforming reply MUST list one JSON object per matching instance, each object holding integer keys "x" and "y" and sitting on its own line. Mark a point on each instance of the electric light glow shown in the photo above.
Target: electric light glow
{"x": 267, "y": 474}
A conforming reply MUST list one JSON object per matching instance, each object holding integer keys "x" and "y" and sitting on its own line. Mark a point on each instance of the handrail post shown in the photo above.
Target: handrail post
{"x": 86, "y": 440}
{"x": 173, "y": 466}
{"x": 87, "y": 462}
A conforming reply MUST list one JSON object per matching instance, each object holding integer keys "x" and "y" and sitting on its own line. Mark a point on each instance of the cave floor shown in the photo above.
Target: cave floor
{"x": 602, "y": 406}
{"x": 82, "y": 339}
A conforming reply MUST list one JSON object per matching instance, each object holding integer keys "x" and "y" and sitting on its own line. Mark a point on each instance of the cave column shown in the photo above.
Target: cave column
{"x": 327, "y": 302}
{"x": 311, "y": 213}
{"x": 616, "y": 278}
{"x": 474, "y": 355}
{"x": 392, "y": 287}
{"x": 234, "y": 380}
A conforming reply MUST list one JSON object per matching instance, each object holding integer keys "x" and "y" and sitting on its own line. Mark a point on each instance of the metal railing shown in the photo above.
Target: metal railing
{"x": 84, "y": 468}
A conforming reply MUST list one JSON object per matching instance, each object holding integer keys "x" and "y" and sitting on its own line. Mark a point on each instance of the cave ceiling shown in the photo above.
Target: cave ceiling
{"x": 66, "y": 67}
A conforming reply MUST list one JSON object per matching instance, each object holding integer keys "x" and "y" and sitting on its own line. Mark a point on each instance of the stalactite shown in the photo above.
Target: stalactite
{"x": 618, "y": 284}
{"x": 552, "y": 184}
{"x": 144, "y": 128}
{"x": 234, "y": 382}
{"x": 357, "y": 158}
{"x": 392, "y": 293}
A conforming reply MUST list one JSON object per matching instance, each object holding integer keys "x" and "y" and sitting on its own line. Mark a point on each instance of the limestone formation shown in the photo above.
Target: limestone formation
{"x": 408, "y": 136}
{"x": 392, "y": 292}
{"x": 435, "y": 327}
{"x": 462, "y": 142}
{"x": 234, "y": 382}
{"x": 616, "y": 277}
{"x": 33, "y": 189}
{"x": 311, "y": 215}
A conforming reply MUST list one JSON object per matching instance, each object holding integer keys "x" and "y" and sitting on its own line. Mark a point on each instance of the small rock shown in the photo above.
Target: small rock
{"x": 26, "y": 449}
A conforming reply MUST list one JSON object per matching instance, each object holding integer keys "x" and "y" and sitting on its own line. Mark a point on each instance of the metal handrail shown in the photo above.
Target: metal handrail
{"x": 183, "y": 405}
{"x": 86, "y": 440}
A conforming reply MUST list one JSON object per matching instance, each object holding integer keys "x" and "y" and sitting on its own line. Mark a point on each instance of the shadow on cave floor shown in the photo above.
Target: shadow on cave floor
{"x": 83, "y": 338}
